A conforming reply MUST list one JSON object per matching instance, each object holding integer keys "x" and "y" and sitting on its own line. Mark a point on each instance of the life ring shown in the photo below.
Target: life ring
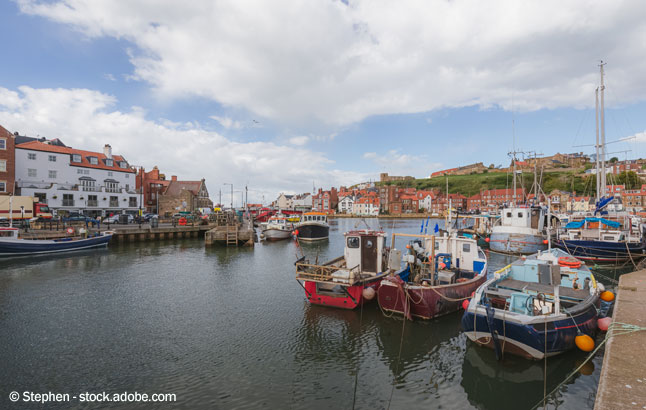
{"x": 461, "y": 280}
{"x": 182, "y": 221}
{"x": 569, "y": 261}
{"x": 70, "y": 231}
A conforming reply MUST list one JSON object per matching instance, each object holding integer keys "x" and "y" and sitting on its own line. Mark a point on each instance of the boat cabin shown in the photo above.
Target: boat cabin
{"x": 601, "y": 229}
{"x": 364, "y": 249}
{"x": 529, "y": 217}
{"x": 9, "y": 233}
{"x": 314, "y": 217}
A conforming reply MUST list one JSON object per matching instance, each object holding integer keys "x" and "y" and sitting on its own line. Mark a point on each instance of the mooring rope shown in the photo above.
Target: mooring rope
{"x": 356, "y": 374}
{"x": 622, "y": 329}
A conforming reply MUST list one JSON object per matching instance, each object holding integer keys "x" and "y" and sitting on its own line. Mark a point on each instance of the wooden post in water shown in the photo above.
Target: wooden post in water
{"x": 432, "y": 261}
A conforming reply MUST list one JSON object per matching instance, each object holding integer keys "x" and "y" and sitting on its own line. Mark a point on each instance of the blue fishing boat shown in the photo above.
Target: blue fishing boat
{"x": 534, "y": 307}
{"x": 602, "y": 240}
{"x": 11, "y": 245}
{"x": 520, "y": 230}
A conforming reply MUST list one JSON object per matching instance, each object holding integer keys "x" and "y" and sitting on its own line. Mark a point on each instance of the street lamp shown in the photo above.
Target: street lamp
{"x": 227, "y": 183}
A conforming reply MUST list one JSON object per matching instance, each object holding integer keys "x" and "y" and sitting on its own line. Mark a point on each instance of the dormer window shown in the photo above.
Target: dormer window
{"x": 93, "y": 160}
{"x": 109, "y": 162}
{"x": 76, "y": 158}
{"x": 123, "y": 164}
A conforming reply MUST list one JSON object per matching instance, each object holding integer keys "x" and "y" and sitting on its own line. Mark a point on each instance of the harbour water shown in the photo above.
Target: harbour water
{"x": 231, "y": 328}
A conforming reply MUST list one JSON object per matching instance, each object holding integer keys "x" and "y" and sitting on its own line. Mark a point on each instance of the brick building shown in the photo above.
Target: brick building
{"x": 184, "y": 196}
{"x": 7, "y": 162}
{"x": 154, "y": 184}
{"x": 325, "y": 201}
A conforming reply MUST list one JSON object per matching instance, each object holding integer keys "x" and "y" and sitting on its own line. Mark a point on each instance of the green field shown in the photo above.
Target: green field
{"x": 468, "y": 185}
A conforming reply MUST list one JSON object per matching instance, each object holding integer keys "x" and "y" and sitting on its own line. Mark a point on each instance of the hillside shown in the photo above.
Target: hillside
{"x": 583, "y": 184}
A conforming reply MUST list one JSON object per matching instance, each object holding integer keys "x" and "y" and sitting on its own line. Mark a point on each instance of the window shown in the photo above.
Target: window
{"x": 466, "y": 247}
{"x": 123, "y": 164}
{"x": 508, "y": 214}
{"x": 42, "y": 197}
{"x": 114, "y": 201}
{"x": 88, "y": 184}
{"x": 79, "y": 171}
{"x": 76, "y": 157}
{"x": 52, "y": 174}
{"x": 132, "y": 203}
{"x": 31, "y": 172}
{"x": 31, "y": 155}
{"x": 111, "y": 186}
{"x": 3, "y": 165}
{"x": 109, "y": 162}
{"x": 52, "y": 158}
{"x": 110, "y": 173}
{"x": 3, "y": 145}
{"x": 3, "y": 186}
{"x": 127, "y": 175}
{"x": 92, "y": 200}
{"x": 86, "y": 172}
{"x": 353, "y": 242}
{"x": 68, "y": 200}
{"x": 93, "y": 160}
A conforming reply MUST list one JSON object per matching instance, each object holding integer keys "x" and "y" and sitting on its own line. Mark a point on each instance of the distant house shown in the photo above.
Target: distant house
{"x": 284, "y": 201}
{"x": 367, "y": 205}
{"x": 302, "y": 202}
{"x": 345, "y": 204}
{"x": 184, "y": 196}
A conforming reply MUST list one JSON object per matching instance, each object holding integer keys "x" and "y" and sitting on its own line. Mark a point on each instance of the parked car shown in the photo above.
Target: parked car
{"x": 115, "y": 219}
{"x": 77, "y": 216}
{"x": 148, "y": 217}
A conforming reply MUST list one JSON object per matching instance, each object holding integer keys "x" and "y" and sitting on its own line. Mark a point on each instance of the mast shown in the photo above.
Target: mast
{"x": 603, "y": 136}
{"x": 596, "y": 112}
{"x": 513, "y": 131}
{"x": 11, "y": 211}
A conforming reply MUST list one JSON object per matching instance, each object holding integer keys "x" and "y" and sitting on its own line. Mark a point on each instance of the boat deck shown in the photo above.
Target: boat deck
{"x": 520, "y": 285}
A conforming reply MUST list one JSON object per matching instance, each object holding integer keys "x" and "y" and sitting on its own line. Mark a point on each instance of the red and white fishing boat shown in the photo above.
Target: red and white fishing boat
{"x": 349, "y": 280}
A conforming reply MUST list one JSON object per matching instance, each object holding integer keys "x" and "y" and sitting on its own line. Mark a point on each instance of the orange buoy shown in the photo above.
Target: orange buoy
{"x": 296, "y": 232}
{"x": 603, "y": 323}
{"x": 442, "y": 265}
{"x": 487, "y": 240}
{"x": 465, "y": 304}
{"x": 607, "y": 296}
{"x": 584, "y": 342}
{"x": 569, "y": 261}
{"x": 545, "y": 241}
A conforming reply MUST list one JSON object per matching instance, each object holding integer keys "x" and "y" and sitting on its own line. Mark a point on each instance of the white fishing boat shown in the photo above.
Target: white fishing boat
{"x": 278, "y": 227}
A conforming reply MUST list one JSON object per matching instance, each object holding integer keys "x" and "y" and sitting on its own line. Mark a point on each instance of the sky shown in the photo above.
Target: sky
{"x": 288, "y": 95}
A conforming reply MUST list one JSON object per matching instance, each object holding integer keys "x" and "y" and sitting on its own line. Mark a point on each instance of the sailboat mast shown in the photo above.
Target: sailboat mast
{"x": 596, "y": 115}
{"x": 513, "y": 131}
{"x": 602, "y": 124}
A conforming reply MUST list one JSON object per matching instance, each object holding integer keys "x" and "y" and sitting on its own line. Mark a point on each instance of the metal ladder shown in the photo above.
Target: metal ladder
{"x": 232, "y": 235}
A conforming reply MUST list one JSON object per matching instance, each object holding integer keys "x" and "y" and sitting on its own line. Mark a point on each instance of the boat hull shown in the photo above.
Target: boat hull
{"x": 351, "y": 298}
{"x": 313, "y": 232}
{"x": 600, "y": 251}
{"x": 528, "y": 339}
{"x": 276, "y": 234}
{"x": 425, "y": 302}
{"x": 20, "y": 247}
{"x": 516, "y": 243}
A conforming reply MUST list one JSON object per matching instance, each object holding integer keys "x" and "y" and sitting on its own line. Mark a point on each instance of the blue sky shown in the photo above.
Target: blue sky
{"x": 279, "y": 97}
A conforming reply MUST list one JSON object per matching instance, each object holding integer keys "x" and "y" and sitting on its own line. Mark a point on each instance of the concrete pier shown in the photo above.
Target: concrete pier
{"x": 622, "y": 384}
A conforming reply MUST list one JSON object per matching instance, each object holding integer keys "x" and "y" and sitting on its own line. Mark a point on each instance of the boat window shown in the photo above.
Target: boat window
{"x": 368, "y": 244}
{"x": 520, "y": 214}
{"x": 353, "y": 242}
{"x": 466, "y": 247}
{"x": 6, "y": 234}
{"x": 437, "y": 246}
{"x": 508, "y": 214}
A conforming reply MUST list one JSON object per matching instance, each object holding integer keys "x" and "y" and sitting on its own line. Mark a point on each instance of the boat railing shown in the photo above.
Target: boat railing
{"x": 325, "y": 273}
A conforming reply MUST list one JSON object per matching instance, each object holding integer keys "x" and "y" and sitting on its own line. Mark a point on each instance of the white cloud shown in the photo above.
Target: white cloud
{"x": 302, "y": 140}
{"x": 396, "y": 163}
{"x": 109, "y": 77}
{"x": 639, "y": 137}
{"x": 86, "y": 119}
{"x": 332, "y": 63}
{"x": 227, "y": 123}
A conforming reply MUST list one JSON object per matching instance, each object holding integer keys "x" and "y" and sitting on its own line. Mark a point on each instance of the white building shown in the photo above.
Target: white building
{"x": 302, "y": 202}
{"x": 366, "y": 206}
{"x": 345, "y": 204}
{"x": 72, "y": 180}
{"x": 284, "y": 201}
{"x": 425, "y": 203}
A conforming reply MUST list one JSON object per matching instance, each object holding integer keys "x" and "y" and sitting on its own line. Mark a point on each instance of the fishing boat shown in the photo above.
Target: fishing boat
{"x": 351, "y": 279}
{"x": 520, "y": 230}
{"x": 11, "y": 245}
{"x": 608, "y": 235}
{"x": 313, "y": 226}
{"x": 278, "y": 227}
{"x": 603, "y": 240}
{"x": 534, "y": 307}
{"x": 443, "y": 272}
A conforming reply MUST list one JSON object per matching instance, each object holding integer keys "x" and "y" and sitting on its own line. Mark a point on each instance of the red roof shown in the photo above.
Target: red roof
{"x": 85, "y": 162}
{"x": 176, "y": 187}
{"x": 437, "y": 173}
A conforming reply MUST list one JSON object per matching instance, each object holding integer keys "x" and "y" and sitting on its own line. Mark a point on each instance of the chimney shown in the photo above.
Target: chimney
{"x": 173, "y": 178}
{"x": 107, "y": 151}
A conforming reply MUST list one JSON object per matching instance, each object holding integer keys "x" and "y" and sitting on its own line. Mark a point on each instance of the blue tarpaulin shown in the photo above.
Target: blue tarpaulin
{"x": 579, "y": 224}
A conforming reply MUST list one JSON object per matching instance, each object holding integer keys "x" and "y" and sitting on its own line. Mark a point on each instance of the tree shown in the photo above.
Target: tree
{"x": 613, "y": 160}
{"x": 630, "y": 179}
